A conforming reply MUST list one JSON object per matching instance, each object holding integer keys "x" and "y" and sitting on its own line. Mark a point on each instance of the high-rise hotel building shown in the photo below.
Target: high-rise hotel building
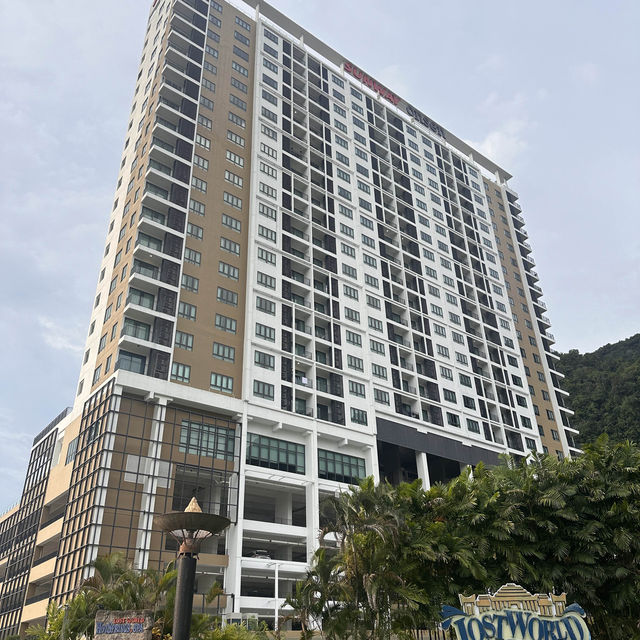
{"x": 305, "y": 281}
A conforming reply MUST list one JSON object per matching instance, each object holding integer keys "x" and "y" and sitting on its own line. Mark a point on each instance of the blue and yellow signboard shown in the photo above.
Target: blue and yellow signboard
{"x": 512, "y": 613}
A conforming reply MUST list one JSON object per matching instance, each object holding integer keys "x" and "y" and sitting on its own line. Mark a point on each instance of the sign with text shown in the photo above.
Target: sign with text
{"x": 385, "y": 93}
{"x": 512, "y": 613}
{"x": 123, "y": 625}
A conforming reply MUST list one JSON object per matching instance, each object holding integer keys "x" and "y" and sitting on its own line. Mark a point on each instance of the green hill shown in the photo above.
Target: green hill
{"x": 605, "y": 390}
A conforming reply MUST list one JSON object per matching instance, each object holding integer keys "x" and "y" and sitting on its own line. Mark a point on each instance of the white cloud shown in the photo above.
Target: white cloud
{"x": 15, "y": 449}
{"x": 586, "y": 73}
{"x": 61, "y": 337}
{"x": 393, "y": 77}
{"x": 491, "y": 64}
{"x": 505, "y": 143}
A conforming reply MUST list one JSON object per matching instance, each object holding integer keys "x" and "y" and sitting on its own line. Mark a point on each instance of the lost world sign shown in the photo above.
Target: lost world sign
{"x": 123, "y": 625}
{"x": 513, "y": 613}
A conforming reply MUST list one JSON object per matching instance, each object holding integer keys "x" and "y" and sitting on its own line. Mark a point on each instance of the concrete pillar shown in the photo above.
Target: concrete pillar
{"x": 311, "y": 494}
{"x": 284, "y": 507}
{"x": 423, "y": 469}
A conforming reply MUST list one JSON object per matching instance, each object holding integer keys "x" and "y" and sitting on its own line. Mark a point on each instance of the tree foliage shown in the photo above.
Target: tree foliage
{"x": 402, "y": 552}
{"x": 605, "y": 390}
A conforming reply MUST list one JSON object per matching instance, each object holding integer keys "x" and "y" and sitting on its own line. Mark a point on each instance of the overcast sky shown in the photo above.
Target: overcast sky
{"x": 548, "y": 89}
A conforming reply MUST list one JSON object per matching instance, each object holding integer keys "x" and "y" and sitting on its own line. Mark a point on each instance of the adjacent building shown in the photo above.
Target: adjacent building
{"x": 305, "y": 281}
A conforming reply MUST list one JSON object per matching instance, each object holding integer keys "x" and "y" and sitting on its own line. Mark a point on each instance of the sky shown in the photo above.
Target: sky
{"x": 549, "y": 90}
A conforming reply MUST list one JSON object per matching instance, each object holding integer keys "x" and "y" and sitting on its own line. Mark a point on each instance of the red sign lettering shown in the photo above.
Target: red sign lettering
{"x": 371, "y": 83}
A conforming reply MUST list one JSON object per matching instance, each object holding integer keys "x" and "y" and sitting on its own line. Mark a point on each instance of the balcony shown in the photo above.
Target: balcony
{"x": 303, "y": 381}
{"x": 43, "y": 568}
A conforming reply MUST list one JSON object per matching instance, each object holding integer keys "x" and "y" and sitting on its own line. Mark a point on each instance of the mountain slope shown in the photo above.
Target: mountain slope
{"x": 605, "y": 390}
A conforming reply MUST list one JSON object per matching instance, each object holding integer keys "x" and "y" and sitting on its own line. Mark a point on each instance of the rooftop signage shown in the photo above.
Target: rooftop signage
{"x": 513, "y": 613}
{"x": 371, "y": 83}
{"x": 393, "y": 98}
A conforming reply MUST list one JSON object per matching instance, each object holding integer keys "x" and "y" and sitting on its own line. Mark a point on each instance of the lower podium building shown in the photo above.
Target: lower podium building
{"x": 305, "y": 281}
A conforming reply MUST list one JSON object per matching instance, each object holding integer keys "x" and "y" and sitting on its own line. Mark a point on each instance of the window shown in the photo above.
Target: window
{"x": 269, "y": 132}
{"x": 350, "y": 292}
{"x": 196, "y": 207}
{"x": 358, "y": 416}
{"x": 266, "y": 256}
{"x": 190, "y": 283}
{"x": 373, "y": 302}
{"x": 347, "y": 250}
{"x": 71, "y": 450}
{"x": 446, "y": 373}
{"x": 241, "y": 53}
{"x": 269, "y": 65}
{"x": 194, "y": 231}
{"x": 381, "y": 397}
{"x": 263, "y": 390}
{"x": 187, "y": 311}
{"x": 234, "y": 179}
{"x": 225, "y": 324}
{"x": 267, "y": 233}
{"x": 268, "y": 191}
{"x": 448, "y": 395}
{"x": 230, "y": 246}
{"x": 237, "y": 120}
{"x": 227, "y": 297}
{"x": 265, "y": 332}
{"x": 235, "y": 158}
{"x": 355, "y": 363}
{"x": 379, "y": 371}
{"x": 231, "y": 223}
{"x": 356, "y": 389}
{"x": 180, "y": 372}
{"x": 442, "y": 350}
{"x": 272, "y": 153}
{"x": 371, "y": 281}
{"x": 266, "y": 280}
{"x": 192, "y": 256}
{"x": 352, "y": 314}
{"x": 221, "y": 383}
{"x": 236, "y": 66}
{"x": 267, "y": 306}
{"x": 131, "y": 362}
{"x": 233, "y": 137}
{"x": 375, "y": 324}
{"x": 264, "y": 360}
{"x": 228, "y": 270}
{"x": 340, "y": 467}
{"x": 370, "y": 261}
{"x": 141, "y": 298}
{"x": 349, "y": 271}
{"x": 354, "y": 338}
{"x": 207, "y": 440}
{"x": 273, "y": 453}
{"x": 376, "y": 347}
{"x": 453, "y": 420}
{"x": 473, "y": 425}
{"x": 238, "y": 102}
{"x": 184, "y": 341}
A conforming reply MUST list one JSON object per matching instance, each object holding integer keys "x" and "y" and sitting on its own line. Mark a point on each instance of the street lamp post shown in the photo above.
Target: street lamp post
{"x": 189, "y": 527}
